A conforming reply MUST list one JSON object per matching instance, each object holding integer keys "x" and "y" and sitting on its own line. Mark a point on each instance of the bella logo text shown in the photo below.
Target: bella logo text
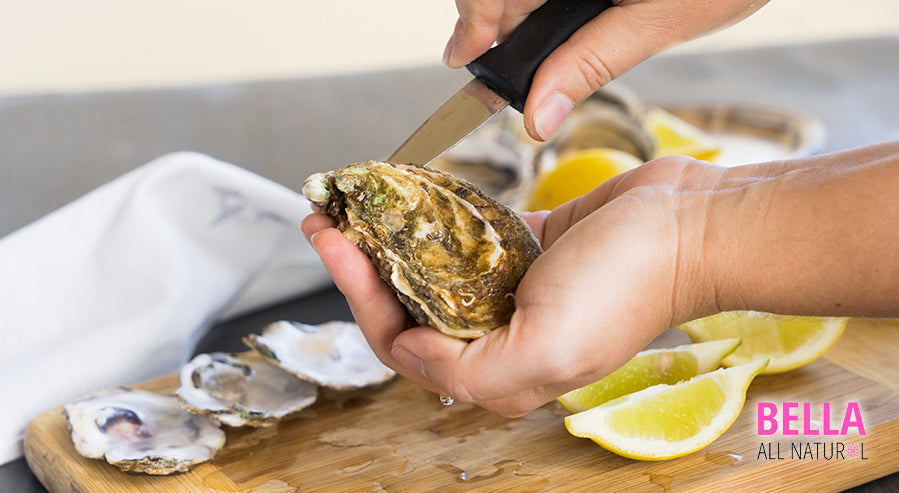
{"x": 768, "y": 425}
{"x": 795, "y": 418}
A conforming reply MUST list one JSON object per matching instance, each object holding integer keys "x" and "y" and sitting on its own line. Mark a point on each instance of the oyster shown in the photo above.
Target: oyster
{"x": 242, "y": 389}
{"x": 493, "y": 159}
{"x": 141, "y": 431}
{"x": 333, "y": 354}
{"x": 453, "y": 255}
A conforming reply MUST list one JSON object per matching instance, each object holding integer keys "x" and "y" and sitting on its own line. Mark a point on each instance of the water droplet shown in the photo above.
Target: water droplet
{"x": 219, "y": 481}
{"x": 462, "y": 475}
{"x": 355, "y": 468}
{"x": 724, "y": 458}
{"x": 661, "y": 481}
{"x": 447, "y": 401}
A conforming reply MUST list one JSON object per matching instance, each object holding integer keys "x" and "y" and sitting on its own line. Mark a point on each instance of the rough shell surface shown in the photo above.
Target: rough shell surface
{"x": 495, "y": 160}
{"x": 242, "y": 389}
{"x": 333, "y": 354}
{"x": 453, "y": 255}
{"x": 141, "y": 431}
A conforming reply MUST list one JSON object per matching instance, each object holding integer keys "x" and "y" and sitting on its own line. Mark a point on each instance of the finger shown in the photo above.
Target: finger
{"x": 375, "y": 307}
{"x": 498, "y": 372}
{"x": 536, "y": 221}
{"x": 603, "y": 49}
{"x": 437, "y": 361}
{"x": 412, "y": 364}
{"x": 314, "y": 223}
{"x": 514, "y": 14}
{"x": 476, "y": 30}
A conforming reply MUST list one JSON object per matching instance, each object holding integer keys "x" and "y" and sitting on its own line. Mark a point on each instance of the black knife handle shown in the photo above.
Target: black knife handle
{"x": 509, "y": 67}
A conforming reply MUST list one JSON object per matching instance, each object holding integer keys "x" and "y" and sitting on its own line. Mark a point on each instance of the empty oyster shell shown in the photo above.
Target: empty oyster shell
{"x": 141, "y": 431}
{"x": 333, "y": 354}
{"x": 454, "y": 255}
{"x": 242, "y": 389}
{"x": 609, "y": 118}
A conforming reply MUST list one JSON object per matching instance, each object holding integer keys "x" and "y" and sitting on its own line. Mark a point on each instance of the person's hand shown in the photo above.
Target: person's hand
{"x": 602, "y": 50}
{"x": 670, "y": 241}
{"x": 610, "y": 279}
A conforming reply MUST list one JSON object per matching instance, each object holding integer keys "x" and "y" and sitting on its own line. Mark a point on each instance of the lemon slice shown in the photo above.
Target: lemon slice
{"x": 577, "y": 173}
{"x": 649, "y": 368}
{"x": 674, "y": 136}
{"x": 668, "y": 421}
{"x": 788, "y": 341}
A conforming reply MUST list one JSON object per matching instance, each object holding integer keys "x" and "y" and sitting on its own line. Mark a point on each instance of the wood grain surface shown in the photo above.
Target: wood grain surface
{"x": 400, "y": 438}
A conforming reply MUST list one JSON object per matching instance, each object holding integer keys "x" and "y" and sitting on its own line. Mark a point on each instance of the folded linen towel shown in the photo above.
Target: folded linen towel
{"x": 118, "y": 286}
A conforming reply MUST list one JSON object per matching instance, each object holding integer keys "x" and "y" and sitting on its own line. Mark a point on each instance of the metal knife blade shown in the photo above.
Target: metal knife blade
{"x": 461, "y": 115}
{"x": 503, "y": 77}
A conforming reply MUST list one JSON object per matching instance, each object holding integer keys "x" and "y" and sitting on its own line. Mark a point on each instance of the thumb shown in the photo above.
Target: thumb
{"x": 603, "y": 49}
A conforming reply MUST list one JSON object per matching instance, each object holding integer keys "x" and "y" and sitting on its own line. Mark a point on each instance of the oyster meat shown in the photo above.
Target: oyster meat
{"x": 141, "y": 431}
{"x": 242, "y": 389}
{"x": 453, "y": 255}
{"x": 333, "y": 354}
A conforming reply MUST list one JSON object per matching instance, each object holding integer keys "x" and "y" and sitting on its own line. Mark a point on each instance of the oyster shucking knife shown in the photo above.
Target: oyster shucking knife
{"x": 503, "y": 77}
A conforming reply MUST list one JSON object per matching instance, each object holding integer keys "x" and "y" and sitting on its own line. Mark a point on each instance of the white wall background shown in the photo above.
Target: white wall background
{"x": 65, "y": 45}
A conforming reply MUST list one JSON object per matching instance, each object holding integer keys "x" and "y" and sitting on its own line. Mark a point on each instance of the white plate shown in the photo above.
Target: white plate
{"x": 752, "y": 134}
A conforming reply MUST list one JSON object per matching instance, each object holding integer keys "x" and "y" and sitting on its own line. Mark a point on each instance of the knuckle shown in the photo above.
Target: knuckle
{"x": 593, "y": 69}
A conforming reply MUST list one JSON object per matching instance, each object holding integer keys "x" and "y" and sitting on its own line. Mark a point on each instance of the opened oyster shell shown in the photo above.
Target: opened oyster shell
{"x": 453, "y": 255}
{"x": 141, "y": 431}
{"x": 333, "y": 354}
{"x": 242, "y": 389}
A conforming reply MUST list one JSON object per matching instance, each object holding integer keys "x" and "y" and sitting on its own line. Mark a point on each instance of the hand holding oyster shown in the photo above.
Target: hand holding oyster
{"x": 453, "y": 255}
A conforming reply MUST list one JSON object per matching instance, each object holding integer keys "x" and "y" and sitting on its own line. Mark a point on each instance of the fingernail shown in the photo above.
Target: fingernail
{"x": 551, "y": 114}
{"x": 409, "y": 360}
{"x": 448, "y": 51}
{"x": 312, "y": 239}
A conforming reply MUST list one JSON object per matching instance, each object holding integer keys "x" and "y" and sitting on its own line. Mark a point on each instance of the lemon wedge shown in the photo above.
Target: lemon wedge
{"x": 788, "y": 341}
{"x": 674, "y": 136}
{"x": 577, "y": 173}
{"x": 648, "y": 368}
{"x": 668, "y": 421}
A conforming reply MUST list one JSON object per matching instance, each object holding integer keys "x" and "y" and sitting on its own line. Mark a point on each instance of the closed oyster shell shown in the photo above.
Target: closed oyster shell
{"x": 453, "y": 255}
{"x": 140, "y": 431}
{"x": 495, "y": 160}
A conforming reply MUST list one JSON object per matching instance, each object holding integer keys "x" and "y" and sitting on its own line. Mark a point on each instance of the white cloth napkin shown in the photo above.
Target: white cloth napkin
{"x": 118, "y": 286}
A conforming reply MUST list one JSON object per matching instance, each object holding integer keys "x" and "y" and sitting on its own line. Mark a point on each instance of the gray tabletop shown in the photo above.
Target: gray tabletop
{"x": 54, "y": 148}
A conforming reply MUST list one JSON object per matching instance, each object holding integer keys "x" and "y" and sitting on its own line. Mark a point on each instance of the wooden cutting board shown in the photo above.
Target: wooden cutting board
{"x": 400, "y": 438}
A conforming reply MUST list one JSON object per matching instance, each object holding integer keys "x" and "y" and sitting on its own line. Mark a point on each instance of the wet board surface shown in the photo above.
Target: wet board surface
{"x": 400, "y": 438}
